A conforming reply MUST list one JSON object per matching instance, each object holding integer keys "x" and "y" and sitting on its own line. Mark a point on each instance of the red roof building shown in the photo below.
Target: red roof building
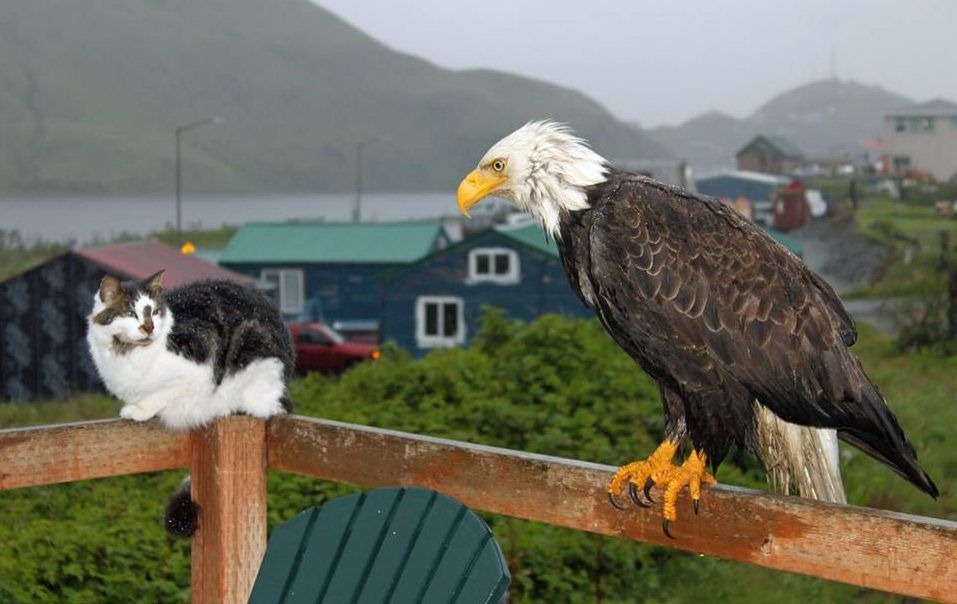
{"x": 139, "y": 259}
{"x": 43, "y": 349}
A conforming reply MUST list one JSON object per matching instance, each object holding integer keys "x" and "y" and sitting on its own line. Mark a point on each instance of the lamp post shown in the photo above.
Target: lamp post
{"x": 357, "y": 208}
{"x": 179, "y": 177}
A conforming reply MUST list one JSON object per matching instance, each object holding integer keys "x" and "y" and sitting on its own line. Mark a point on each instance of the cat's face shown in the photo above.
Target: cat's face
{"x": 130, "y": 314}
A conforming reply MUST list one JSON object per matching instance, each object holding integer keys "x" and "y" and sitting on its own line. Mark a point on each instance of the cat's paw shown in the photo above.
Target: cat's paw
{"x": 135, "y": 413}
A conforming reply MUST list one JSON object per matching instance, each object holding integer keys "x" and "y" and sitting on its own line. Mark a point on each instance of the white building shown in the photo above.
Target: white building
{"x": 923, "y": 137}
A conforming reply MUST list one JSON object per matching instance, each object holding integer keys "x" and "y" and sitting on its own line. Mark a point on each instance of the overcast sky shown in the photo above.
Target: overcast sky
{"x": 666, "y": 61}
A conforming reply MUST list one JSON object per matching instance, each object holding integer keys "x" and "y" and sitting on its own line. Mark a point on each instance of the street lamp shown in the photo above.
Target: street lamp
{"x": 357, "y": 208}
{"x": 179, "y": 178}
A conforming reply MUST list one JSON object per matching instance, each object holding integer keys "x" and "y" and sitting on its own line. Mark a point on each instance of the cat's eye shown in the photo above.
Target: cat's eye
{"x": 131, "y": 313}
{"x": 156, "y": 312}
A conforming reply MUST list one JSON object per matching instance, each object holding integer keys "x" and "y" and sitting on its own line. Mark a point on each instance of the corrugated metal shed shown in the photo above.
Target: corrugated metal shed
{"x": 325, "y": 242}
{"x": 732, "y": 184}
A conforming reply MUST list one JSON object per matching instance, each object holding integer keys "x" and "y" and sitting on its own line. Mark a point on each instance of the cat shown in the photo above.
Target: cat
{"x": 200, "y": 351}
{"x": 188, "y": 355}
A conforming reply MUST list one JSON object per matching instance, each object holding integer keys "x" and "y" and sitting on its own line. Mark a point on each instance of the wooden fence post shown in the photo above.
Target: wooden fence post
{"x": 228, "y": 469}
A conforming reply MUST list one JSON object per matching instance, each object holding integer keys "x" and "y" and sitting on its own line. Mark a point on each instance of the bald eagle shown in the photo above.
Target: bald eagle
{"x": 746, "y": 344}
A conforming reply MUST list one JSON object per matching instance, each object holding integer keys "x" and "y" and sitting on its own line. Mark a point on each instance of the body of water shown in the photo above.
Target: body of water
{"x": 85, "y": 219}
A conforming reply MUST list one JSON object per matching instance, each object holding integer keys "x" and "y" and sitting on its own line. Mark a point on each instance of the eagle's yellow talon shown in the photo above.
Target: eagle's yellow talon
{"x": 692, "y": 473}
{"x": 658, "y": 470}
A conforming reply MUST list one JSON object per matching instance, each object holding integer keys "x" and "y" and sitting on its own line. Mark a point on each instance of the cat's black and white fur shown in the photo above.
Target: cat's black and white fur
{"x": 191, "y": 354}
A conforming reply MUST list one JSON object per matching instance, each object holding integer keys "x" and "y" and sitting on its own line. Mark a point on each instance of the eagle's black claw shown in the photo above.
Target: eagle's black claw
{"x": 664, "y": 527}
{"x": 633, "y": 493}
{"x": 647, "y": 490}
{"x": 695, "y": 503}
{"x": 614, "y": 501}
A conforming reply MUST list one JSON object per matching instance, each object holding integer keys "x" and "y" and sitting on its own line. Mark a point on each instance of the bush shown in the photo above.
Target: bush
{"x": 556, "y": 386}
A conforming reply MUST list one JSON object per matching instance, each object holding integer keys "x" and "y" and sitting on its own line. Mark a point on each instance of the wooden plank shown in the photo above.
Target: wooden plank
{"x": 878, "y": 549}
{"x": 70, "y": 452}
{"x": 228, "y": 471}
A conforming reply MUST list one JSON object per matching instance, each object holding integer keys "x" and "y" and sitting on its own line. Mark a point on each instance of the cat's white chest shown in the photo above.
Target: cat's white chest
{"x": 151, "y": 369}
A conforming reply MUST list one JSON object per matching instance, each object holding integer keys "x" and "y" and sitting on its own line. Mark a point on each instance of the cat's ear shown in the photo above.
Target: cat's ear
{"x": 154, "y": 283}
{"x": 110, "y": 289}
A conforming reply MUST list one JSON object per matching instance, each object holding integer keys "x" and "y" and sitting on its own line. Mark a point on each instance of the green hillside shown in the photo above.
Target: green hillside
{"x": 825, "y": 118}
{"x": 91, "y": 92}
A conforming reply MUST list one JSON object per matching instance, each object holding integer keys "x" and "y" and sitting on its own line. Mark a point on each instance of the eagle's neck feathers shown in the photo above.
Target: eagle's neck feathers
{"x": 552, "y": 192}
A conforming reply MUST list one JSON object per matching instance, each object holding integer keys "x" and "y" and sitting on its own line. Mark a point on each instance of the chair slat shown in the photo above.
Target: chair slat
{"x": 281, "y": 558}
{"x": 390, "y": 545}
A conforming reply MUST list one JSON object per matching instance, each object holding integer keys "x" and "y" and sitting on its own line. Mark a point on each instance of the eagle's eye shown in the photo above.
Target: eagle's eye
{"x": 498, "y": 165}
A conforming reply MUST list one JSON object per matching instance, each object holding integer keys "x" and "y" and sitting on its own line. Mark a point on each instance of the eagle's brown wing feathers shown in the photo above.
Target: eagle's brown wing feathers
{"x": 722, "y": 314}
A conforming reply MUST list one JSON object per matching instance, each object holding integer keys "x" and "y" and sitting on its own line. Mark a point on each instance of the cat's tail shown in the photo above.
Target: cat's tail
{"x": 182, "y": 513}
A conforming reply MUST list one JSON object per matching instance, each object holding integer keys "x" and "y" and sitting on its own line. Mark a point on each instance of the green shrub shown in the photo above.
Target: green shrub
{"x": 556, "y": 386}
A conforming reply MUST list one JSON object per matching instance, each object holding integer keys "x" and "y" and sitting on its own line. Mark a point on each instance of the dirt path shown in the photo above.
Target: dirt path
{"x": 838, "y": 253}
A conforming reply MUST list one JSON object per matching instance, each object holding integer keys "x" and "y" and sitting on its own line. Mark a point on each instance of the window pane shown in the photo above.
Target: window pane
{"x": 431, "y": 319}
{"x": 482, "y": 264}
{"x": 501, "y": 264}
{"x": 451, "y": 319}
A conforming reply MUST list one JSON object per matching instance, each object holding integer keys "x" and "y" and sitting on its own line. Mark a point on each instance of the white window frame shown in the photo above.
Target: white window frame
{"x": 424, "y": 340}
{"x": 513, "y": 276}
{"x": 280, "y": 276}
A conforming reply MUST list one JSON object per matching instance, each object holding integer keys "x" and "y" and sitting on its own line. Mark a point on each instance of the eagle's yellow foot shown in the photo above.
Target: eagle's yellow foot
{"x": 693, "y": 473}
{"x": 656, "y": 470}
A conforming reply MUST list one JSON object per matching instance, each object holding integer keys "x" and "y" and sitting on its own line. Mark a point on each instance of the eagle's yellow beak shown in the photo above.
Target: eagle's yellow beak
{"x": 475, "y": 186}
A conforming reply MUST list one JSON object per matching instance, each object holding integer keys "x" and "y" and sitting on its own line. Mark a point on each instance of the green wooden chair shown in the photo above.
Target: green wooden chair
{"x": 387, "y": 545}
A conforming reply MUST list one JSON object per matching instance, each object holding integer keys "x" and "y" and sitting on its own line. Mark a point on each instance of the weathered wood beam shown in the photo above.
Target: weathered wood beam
{"x": 70, "y": 452}
{"x": 228, "y": 471}
{"x": 878, "y": 549}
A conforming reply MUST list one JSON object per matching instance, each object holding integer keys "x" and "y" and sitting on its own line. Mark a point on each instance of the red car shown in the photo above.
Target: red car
{"x": 321, "y": 348}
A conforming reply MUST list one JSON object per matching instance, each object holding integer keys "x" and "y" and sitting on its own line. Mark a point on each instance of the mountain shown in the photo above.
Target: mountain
{"x": 91, "y": 93}
{"x": 825, "y": 118}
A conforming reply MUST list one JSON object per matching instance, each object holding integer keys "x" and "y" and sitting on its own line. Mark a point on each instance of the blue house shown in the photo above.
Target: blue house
{"x": 329, "y": 271}
{"x": 436, "y": 301}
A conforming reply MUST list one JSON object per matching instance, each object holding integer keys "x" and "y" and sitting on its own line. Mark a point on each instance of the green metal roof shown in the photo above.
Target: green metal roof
{"x": 532, "y": 236}
{"x": 793, "y": 244}
{"x": 382, "y": 242}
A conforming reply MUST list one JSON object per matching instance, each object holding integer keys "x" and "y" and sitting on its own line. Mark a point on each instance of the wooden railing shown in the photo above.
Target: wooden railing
{"x": 894, "y": 552}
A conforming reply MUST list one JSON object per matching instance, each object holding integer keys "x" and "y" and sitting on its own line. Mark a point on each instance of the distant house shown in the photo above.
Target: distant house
{"x": 923, "y": 137}
{"x": 770, "y": 154}
{"x": 436, "y": 301}
{"x": 329, "y": 271}
{"x": 43, "y": 349}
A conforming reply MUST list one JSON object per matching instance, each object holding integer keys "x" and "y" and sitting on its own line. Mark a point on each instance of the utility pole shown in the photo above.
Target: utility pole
{"x": 357, "y": 208}
{"x": 179, "y": 171}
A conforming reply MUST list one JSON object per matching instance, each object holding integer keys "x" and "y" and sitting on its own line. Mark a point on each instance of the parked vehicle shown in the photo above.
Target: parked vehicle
{"x": 321, "y": 348}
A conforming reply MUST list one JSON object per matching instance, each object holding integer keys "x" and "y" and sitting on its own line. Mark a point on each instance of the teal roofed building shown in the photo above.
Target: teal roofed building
{"x": 329, "y": 271}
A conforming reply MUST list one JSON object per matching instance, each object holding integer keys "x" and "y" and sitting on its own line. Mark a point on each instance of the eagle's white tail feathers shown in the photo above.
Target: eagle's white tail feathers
{"x": 798, "y": 459}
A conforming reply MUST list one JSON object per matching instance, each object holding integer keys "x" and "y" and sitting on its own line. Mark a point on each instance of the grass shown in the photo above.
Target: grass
{"x": 891, "y": 222}
{"x": 903, "y": 225}
{"x": 920, "y": 388}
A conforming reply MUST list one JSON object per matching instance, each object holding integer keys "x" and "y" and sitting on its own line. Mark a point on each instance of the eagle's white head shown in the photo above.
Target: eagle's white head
{"x": 542, "y": 168}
